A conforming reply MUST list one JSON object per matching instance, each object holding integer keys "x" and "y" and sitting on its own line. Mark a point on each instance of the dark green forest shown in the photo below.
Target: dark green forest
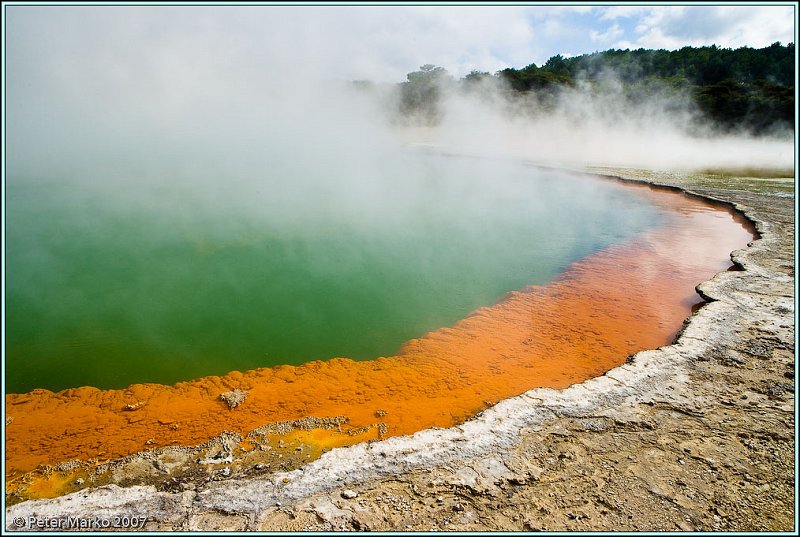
{"x": 742, "y": 89}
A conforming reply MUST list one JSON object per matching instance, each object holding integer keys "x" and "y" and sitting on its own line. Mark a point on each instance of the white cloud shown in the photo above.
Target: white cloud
{"x": 615, "y": 12}
{"x": 615, "y": 32}
{"x": 673, "y": 27}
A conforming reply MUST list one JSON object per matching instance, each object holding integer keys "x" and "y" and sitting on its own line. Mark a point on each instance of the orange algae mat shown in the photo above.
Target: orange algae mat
{"x": 602, "y": 309}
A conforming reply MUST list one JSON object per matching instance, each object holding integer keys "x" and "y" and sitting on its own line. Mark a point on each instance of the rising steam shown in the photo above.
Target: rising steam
{"x": 204, "y": 92}
{"x": 133, "y": 129}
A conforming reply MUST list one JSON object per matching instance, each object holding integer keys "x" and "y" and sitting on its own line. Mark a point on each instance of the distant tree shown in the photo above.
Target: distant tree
{"x": 534, "y": 78}
{"x": 724, "y": 101}
{"x": 427, "y": 74}
{"x": 557, "y": 65}
{"x": 420, "y": 95}
{"x": 743, "y": 88}
{"x": 477, "y": 76}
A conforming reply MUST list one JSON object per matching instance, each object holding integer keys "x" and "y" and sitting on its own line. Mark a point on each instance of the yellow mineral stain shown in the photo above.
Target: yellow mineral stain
{"x": 47, "y": 484}
{"x": 604, "y": 308}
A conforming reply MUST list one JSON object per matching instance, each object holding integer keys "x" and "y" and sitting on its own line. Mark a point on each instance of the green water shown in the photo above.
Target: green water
{"x": 111, "y": 283}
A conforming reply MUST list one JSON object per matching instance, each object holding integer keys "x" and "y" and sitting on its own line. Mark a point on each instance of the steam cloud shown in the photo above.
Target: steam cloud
{"x": 215, "y": 124}
{"x": 200, "y": 92}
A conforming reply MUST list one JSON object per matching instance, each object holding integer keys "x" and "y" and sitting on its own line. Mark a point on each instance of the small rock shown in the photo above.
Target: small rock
{"x": 439, "y": 500}
{"x": 458, "y": 507}
{"x": 219, "y": 474}
{"x": 348, "y": 494}
{"x": 134, "y": 406}
{"x": 79, "y": 481}
{"x": 234, "y": 398}
{"x": 380, "y": 413}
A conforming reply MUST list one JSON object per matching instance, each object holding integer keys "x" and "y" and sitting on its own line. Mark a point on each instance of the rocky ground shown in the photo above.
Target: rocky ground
{"x": 696, "y": 436}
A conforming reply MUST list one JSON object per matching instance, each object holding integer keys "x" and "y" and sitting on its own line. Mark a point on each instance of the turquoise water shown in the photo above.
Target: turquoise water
{"x": 122, "y": 281}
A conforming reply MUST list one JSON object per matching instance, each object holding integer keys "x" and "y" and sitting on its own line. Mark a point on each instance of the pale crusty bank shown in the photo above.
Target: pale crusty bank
{"x": 695, "y": 436}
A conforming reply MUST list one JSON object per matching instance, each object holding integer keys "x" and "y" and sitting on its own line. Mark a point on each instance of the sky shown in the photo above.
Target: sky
{"x": 120, "y": 82}
{"x": 380, "y": 42}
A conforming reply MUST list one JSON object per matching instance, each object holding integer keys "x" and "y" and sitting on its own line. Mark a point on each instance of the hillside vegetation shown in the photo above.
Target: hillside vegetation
{"x": 743, "y": 89}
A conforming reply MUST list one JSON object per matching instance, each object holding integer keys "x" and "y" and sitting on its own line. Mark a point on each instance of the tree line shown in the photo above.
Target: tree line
{"x": 745, "y": 88}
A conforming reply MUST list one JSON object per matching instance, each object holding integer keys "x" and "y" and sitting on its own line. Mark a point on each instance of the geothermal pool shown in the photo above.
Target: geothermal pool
{"x": 113, "y": 282}
{"x": 622, "y": 263}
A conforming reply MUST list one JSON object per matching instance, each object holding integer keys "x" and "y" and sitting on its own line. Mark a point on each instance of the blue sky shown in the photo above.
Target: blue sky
{"x": 675, "y": 26}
